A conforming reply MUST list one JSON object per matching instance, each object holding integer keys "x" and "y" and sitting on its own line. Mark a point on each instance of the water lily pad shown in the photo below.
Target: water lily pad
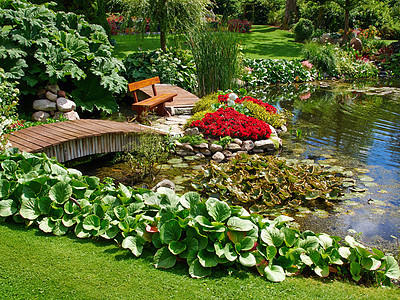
{"x": 339, "y": 209}
{"x": 197, "y": 167}
{"x": 181, "y": 165}
{"x": 383, "y": 191}
{"x": 336, "y": 169}
{"x": 179, "y": 188}
{"x": 378, "y": 211}
{"x": 350, "y": 203}
{"x": 377, "y": 202}
{"x": 179, "y": 179}
{"x": 361, "y": 170}
{"x": 307, "y": 161}
{"x": 191, "y": 158}
{"x": 348, "y": 184}
{"x": 304, "y": 210}
{"x": 321, "y": 213}
{"x": 348, "y": 173}
{"x": 365, "y": 178}
{"x": 370, "y": 184}
{"x": 331, "y": 160}
{"x": 358, "y": 190}
{"x": 173, "y": 161}
{"x": 350, "y": 212}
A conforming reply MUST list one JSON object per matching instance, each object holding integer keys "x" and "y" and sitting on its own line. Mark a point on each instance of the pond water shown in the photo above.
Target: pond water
{"x": 355, "y": 126}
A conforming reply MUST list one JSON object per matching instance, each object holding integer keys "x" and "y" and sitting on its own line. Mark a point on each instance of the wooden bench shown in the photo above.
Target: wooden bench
{"x": 157, "y": 102}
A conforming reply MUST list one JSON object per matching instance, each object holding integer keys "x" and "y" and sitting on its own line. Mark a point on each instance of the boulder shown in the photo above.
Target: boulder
{"x": 202, "y": 146}
{"x": 187, "y": 147}
{"x": 51, "y": 96}
{"x": 248, "y": 145}
{"x": 238, "y": 141}
{"x": 41, "y": 93}
{"x": 61, "y": 94}
{"x": 234, "y": 147}
{"x": 44, "y": 105}
{"x": 40, "y": 116}
{"x": 71, "y": 115}
{"x": 206, "y": 152}
{"x": 52, "y": 88}
{"x": 164, "y": 183}
{"x": 65, "y": 105}
{"x": 264, "y": 144}
{"x": 218, "y": 157}
{"x": 192, "y": 131}
{"x": 215, "y": 148}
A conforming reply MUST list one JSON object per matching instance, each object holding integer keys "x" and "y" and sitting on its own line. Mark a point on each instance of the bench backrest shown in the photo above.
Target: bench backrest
{"x": 143, "y": 83}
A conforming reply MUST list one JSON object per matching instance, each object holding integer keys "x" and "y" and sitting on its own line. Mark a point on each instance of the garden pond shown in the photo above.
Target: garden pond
{"x": 351, "y": 127}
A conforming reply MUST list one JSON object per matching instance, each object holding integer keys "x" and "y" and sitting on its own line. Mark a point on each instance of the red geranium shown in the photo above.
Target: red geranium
{"x": 269, "y": 108}
{"x": 229, "y": 122}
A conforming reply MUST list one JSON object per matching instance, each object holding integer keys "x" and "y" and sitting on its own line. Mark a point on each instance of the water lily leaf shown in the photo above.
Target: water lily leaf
{"x": 60, "y": 192}
{"x": 358, "y": 190}
{"x": 218, "y": 210}
{"x": 365, "y": 178}
{"x": 164, "y": 258}
{"x": 196, "y": 270}
{"x": 238, "y": 224}
{"x": 272, "y": 236}
{"x": 8, "y": 208}
{"x": 247, "y": 259}
{"x": 274, "y": 273}
{"x": 91, "y": 222}
{"x": 170, "y": 231}
{"x": 392, "y": 268}
{"x": 134, "y": 243}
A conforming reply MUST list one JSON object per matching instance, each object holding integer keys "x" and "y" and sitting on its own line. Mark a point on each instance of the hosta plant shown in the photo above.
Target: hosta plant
{"x": 38, "y": 45}
{"x": 204, "y": 233}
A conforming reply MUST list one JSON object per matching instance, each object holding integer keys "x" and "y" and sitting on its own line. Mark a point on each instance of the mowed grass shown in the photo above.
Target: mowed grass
{"x": 34, "y": 265}
{"x": 262, "y": 42}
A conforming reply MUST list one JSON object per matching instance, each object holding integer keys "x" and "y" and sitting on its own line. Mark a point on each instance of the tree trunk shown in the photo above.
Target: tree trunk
{"x": 290, "y": 13}
{"x": 346, "y": 20}
{"x": 163, "y": 40}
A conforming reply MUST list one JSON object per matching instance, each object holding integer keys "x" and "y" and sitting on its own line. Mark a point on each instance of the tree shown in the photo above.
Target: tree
{"x": 291, "y": 11}
{"x": 348, "y": 5}
{"x": 168, "y": 14}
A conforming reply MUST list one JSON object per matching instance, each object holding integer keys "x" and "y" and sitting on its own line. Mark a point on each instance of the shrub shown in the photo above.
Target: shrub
{"x": 303, "y": 30}
{"x": 323, "y": 57}
{"x": 259, "y": 112}
{"x": 205, "y": 103}
{"x": 197, "y": 117}
{"x": 193, "y": 139}
{"x": 8, "y": 102}
{"x": 262, "y": 72}
{"x": 39, "y": 46}
{"x": 175, "y": 67}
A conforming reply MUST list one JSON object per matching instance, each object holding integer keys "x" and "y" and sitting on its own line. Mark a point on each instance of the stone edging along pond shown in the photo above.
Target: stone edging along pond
{"x": 220, "y": 154}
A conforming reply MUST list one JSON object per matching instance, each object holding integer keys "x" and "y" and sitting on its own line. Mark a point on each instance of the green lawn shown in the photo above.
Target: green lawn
{"x": 35, "y": 265}
{"x": 263, "y": 42}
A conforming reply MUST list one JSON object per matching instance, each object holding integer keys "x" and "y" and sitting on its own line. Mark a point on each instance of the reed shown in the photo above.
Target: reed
{"x": 217, "y": 57}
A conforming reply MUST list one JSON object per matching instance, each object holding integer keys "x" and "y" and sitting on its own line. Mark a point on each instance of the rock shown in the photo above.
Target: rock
{"x": 51, "y": 96}
{"x": 257, "y": 150}
{"x": 206, "y": 152}
{"x": 192, "y": 131}
{"x": 178, "y": 144}
{"x": 52, "y": 88}
{"x": 71, "y": 115}
{"x": 65, "y": 105}
{"x": 277, "y": 139}
{"x": 264, "y": 144}
{"x": 184, "y": 153}
{"x": 41, "y": 93}
{"x": 61, "y": 94}
{"x": 215, "y": 148}
{"x": 238, "y": 141}
{"x": 164, "y": 183}
{"x": 234, "y": 147}
{"x": 200, "y": 155}
{"x": 325, "y": 38}
{"x": 273, "y": 131}
{"x": 187, "y": 147}
{"x": 40, "y": 116}
{"x": 44, "y": 105}
{"x": 227, "y": 153}
{"x": 248, "y": 145}
{"x": 218, "y": 157}
{"x": 356, "y": 44}
{"x": 202, "y": 146}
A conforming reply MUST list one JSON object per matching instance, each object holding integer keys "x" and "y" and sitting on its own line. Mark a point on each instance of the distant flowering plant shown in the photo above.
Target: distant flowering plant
{"x": 307, "y": 65}
{"x": 229, "y": 122}
{"x": 242, "y": 26}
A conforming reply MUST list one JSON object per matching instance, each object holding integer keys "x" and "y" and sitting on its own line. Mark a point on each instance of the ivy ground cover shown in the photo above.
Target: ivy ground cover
{"x": 205, "y": 233}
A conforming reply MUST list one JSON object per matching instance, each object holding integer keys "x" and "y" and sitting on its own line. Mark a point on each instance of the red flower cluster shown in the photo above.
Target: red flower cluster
{"x": 229, "y": 122}
{"x": 268, "y": 108}
{"x": 241, "y": 26}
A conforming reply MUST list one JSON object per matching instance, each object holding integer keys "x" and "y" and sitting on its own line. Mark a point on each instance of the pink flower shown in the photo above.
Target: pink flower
{"x": 307, "y": 65}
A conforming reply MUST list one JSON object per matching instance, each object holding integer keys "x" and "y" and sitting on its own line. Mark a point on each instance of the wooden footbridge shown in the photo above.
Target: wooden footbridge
{"x": 73, "y": 139}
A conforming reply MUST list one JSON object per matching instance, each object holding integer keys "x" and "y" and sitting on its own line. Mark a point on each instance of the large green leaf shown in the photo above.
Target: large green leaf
{"x": 290, "y": 236}
{"x": 177, "y": 247}
{"x": 355, "y": 270}
{"x": 196, "y": 270}
{"x": 218, "y": 210}
{"x": 9, "y": 167}
{"x": 207, "y": 259}
{"x": 164, "y": 258}
{"x": 134, "y": 243}
{"x": 322, "y": 271}
{"x": 4, "y": 188}
{"x": 80, "y": 232}
{"x": 230, "y": 252}
{"x": 8, "y": 208}
{"x": 29, "y": 209}
{"x": 274, "y": 273}
{"x": 91, "y": 222}
{"x": 120, "y": 212}
{"x": 170, "y": 231}
{"x": 60, "y": 192}
{"x": 59, "y": 228}
{"x": 46, "y": 225}
{"x": 238, "y": 224}
{"x": 392, "y": 268}
{"x": 272, "y": 236}
{"x": 247, "y": 259}
{"x": 45, "y": 204}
